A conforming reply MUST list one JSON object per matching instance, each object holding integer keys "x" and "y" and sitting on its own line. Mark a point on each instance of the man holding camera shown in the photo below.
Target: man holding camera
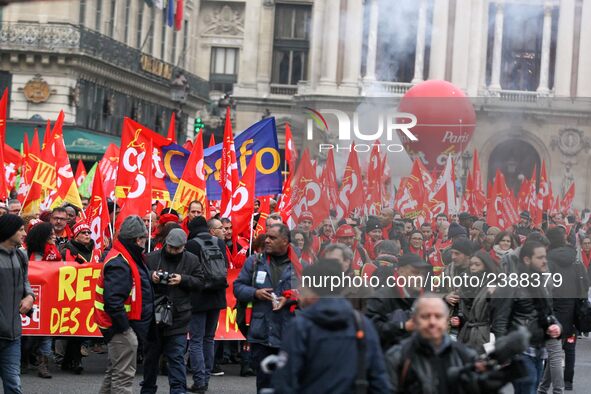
{"x": 529, "y": 307}
{"x": 175, "y": 273}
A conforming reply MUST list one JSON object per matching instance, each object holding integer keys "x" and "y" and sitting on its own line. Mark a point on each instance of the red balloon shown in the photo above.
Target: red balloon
{"x": 445, "y": 122}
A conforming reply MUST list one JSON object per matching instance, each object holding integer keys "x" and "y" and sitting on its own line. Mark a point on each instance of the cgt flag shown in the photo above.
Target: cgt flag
{"x": 97, "y": 215}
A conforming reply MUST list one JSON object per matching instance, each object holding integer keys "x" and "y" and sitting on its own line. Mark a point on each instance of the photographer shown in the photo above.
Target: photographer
{"x": 430, "y": 362}
{"x": 175, "y": 274}
{"x": 390, "y": 309}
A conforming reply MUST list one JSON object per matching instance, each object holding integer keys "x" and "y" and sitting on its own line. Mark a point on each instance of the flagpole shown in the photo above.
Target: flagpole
{"x": 113, "y": 224}
{"x": 251, "y": 234}
{"x": 332, "y": 224}
{"x": 150, "y": 231}
{"x": 25, "y": 200}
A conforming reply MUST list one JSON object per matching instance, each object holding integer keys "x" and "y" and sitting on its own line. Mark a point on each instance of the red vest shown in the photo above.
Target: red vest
{"x": 133, "y": 303}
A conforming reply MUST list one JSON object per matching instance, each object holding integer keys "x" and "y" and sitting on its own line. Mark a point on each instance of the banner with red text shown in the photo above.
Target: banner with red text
{"x": 64, "y": 301}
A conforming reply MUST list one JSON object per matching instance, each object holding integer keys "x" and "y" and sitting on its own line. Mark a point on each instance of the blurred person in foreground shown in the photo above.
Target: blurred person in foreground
{"x": 329, "y": 347}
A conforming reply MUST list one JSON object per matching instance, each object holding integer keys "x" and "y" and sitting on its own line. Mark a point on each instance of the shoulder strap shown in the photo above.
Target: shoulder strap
{"x": 361, "y": 384}
{"x": 256, "y": 261}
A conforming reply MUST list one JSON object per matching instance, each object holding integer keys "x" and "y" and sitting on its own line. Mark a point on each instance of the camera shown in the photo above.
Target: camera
{"x": 164, "y": 277}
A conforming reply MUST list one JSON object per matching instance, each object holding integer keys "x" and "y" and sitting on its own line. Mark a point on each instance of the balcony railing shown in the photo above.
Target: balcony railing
{"x": 380, "y": 88}
{"x": 63, "y": 38}
{"x": 284, "y": 90}
{"x": 516, "y": 96}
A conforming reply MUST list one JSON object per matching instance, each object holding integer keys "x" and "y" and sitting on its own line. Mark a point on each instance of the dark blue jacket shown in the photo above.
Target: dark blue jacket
{"x": 321, "y": 350}
{"x": 266, "y": 326}
{"x": 118, "y": 285}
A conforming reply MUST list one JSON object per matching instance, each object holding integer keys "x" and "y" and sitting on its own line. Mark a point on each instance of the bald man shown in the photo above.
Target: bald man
{"x": 419, "y": 364}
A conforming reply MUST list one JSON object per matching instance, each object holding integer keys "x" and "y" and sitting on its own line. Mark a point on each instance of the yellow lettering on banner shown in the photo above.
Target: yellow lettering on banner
{"x": 276, "y": 161}
{"x": 73, "y": 318}
{"x": 67, "y": 276}
{"x": 90, "y": 324}
{"x": 53, "y": 324}
{"x": 83, "y": 284}
{"x": 96, "y": 273}
{"x": 64, "y": 319}
{"x": 244, "y": 153}
{"x": 168, "y": 167}
{"x": 231, "y": 318}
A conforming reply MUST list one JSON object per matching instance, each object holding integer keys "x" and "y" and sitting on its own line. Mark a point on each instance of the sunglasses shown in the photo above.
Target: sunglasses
{"x": 85, "y": 232}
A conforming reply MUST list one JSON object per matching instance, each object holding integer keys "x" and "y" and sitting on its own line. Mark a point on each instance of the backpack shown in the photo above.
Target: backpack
{"x": 215, "y": 271}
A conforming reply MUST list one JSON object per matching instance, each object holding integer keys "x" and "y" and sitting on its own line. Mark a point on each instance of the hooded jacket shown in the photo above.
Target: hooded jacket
{"x": 322, "y": 355}
{"x": 563, "y": 261}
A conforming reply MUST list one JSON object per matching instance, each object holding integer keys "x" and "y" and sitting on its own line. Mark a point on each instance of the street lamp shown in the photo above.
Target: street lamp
{"x": 179, "y": 91}
{"x": 466, "y": 158}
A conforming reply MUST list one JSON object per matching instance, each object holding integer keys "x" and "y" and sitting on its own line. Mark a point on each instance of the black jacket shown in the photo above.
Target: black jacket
{"x": 322, "y": 353}
{"x": 388, "y": 311}
{"x": 191, "y": 270}
{"x": 415, "y": 367}
{"x": 81, "y": 253}
{"x": 207, "y": 300}
{"x": 563, "y": 261}
{"x": 529, "y": 307}
{"x": 118, "y": 284}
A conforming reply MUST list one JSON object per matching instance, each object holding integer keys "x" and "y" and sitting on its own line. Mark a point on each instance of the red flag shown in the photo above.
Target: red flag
{"x": 351, "y": 193}
{"x": 4, "y": 193}
{"x": 28, "y": 168}
{"x": 374, "y": 182}
{"x": 500, "y": 211}
{"x": 3, "y": 115}
{"x": 567, "y": 200}
{"x": 290, "y": 151}
{"x": 67, "y": 191}
{"x": 243, "y": 200}
{"x": 188, "y": 145}
{"x": 97, "y": 215}
{"x": 192, "y": 184}
{"x": 544, "y": 188}
{"x": 134, "y": 139}
{"x": 476, "y": 174}
{"x": 411, "y": 194}
{"x": 172, "y": 129}
{"x": 45, "y": 177}
{"x": 534, "y": 204}
{"x": 80, "y": 173}
{"x": 330, "y": 187}
{"x": 12, "y": 162}
{"x": 284, "y": 205}
{"x": 109, "y": 166}
{"x": 178, "y": 16}
{"x": 523, "y": 194}
{"x": 211, "y": 141}
{"x": 229, "y": 169}
{"x": 307, "y": 192}
{"x": 264, "y": 210}
{"x": 443, "y": 197}
{"x": 138, "y": 200}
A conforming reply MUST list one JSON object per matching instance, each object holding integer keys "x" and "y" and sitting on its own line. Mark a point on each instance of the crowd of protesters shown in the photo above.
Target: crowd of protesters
{"x": 163, "y": 281}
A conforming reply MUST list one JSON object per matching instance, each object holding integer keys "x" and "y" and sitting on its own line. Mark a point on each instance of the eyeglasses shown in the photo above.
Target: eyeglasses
{"x": 85, "y": 232}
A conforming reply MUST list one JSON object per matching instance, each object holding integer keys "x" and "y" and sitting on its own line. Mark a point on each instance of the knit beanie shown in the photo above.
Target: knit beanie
{"x": 9, "y": 225}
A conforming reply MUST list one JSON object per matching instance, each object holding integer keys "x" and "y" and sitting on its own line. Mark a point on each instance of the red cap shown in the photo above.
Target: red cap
{"x": 80, "y": 226}
{"x": 168, "y": 217}
{"x": 345, "y": 230}
{"x": 306, "y": 215}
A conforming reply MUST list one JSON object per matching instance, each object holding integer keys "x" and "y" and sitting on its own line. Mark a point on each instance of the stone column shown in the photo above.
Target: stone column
{"x": 247, "y": 74}
{"x": 545, "y": 60}
{"x": 353, "y": 44}
{"x": 584, "y": 77}
{"x": 266, "y": 26}
{"x": 439, "y": 39}
{"x": 315, "y": 53}
{"x": 372, "y": 42}
{"x": 564, "y": 48}
{"x": 330, "y": 46}
{"x": 420, "y": 47}
{"x": 495, "y": 82}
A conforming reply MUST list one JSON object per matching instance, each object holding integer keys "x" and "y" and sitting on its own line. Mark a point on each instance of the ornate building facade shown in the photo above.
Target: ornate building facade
{"x": 523, "y": 63}
{"x": 98, "y": 61}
